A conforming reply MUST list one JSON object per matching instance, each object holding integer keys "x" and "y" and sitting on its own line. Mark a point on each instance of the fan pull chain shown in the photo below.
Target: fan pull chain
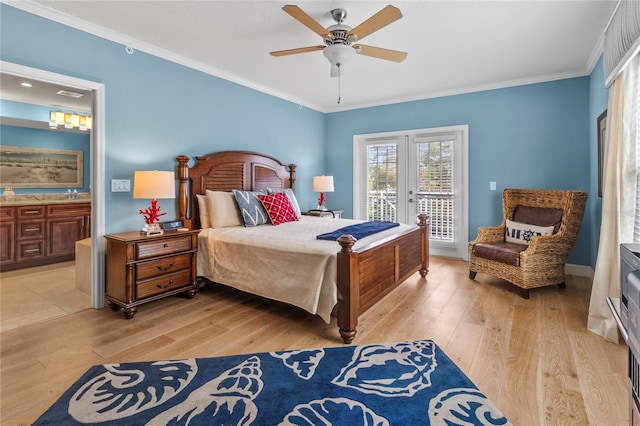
{"x": 339, "y": 72}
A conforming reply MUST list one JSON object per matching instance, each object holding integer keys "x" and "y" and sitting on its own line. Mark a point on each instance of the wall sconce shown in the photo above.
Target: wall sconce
{"x": 69, "y": 120}
{"x": 322, "y": 184}
{"x": 153, "y": 184}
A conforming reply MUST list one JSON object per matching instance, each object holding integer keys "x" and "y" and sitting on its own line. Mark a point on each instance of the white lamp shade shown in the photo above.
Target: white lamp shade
{"x": 323, "y": 183}
{"x": 154, "y": 184}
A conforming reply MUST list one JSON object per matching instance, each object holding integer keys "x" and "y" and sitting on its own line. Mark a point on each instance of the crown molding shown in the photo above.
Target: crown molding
{"x": 132, "y": 43}
{"x": 469, "y": 89}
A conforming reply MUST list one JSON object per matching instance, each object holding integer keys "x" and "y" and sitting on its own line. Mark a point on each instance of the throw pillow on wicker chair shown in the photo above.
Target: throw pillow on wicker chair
{"x": 521, "y": 233}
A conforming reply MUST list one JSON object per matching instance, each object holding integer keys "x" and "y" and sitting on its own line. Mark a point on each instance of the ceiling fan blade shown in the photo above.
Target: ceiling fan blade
{"x": 380, "y": 53}
{"x": 298, "y": 50}
{"x": 306, "y": 20}
{"x": 380, "y": 20}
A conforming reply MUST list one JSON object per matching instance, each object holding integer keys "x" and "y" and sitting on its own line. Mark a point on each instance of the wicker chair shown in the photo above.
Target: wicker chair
{"x": 542, "y": 262}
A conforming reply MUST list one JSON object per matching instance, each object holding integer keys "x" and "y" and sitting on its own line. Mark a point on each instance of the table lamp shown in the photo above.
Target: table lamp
{"x": 322, "y": 184}
{"x": 153, "y": 184}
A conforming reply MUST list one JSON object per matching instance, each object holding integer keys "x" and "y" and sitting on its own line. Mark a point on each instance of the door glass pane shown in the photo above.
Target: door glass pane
{"x": 434, "y": 195}
{"x": 382, "y": 167}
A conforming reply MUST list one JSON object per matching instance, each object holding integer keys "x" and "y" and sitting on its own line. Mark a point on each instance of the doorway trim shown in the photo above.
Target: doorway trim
{"x": 97, "y": 179}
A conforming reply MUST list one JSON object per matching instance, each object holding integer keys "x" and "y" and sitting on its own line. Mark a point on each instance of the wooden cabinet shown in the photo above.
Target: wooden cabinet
{"x": 7, "y": 236}
{"x": 66, "y": 224}
{"x": 143, "y": 268}
{"x": 30, "y": 233}
{"x": 34, "y": 235}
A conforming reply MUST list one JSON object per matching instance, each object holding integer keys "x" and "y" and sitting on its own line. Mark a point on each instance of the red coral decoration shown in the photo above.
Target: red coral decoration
{"x": 152, "y": 214}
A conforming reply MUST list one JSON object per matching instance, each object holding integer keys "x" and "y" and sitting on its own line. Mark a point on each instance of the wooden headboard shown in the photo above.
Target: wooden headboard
{"x": 225, "y": 171}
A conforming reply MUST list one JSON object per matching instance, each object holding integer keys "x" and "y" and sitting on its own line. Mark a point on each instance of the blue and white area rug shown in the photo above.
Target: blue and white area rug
{"x": 412, "y": 383}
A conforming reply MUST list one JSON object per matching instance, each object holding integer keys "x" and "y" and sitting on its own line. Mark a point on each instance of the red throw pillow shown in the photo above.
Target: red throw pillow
{"x": 278, "y": 207}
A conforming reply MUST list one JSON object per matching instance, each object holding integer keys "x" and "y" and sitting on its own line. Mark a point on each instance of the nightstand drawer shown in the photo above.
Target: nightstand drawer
{"x": 163, "y": 284}
{"x": 162, "y": 266}
{"x": 162, "y": 247}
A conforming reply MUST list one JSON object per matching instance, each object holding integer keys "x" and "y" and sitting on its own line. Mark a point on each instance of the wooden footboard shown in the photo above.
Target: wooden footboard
{"x": 367, "y": 274}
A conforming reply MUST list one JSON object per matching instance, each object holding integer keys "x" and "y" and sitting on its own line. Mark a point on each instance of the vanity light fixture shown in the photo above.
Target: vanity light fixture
{"x": 69, "y": 120}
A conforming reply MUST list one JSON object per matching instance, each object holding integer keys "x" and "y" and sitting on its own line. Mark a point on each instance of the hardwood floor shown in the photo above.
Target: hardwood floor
{"x": 533, "y": 358}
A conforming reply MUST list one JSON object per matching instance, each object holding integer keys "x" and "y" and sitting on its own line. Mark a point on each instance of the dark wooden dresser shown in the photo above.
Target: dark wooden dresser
{"x": 142, "y": 268}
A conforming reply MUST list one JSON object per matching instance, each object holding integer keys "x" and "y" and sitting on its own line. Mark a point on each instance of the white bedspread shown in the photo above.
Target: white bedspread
{"x": 285, "y": 262}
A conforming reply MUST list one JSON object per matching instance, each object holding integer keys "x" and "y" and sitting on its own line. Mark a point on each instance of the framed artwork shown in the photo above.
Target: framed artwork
{"x": 29, "y": 167}
{"x": 602, "y": 131}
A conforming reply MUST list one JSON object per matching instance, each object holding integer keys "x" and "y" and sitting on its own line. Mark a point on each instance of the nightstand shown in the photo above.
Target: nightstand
{"x": 141, "y": 268}
{"x": 326, "y": 213}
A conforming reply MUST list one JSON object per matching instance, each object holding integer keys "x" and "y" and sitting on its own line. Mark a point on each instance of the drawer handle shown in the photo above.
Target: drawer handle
{"x": 165, "y": 245}
{"x": 31, "y": 229}
{"x": 32, "y": 250}
{"x": 165, "y": 286}
{"x": 31, "y": 212}
{"x": 165, "y": 268}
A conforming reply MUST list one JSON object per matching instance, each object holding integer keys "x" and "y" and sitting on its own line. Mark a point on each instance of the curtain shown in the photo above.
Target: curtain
{"x": 618, "y": 197}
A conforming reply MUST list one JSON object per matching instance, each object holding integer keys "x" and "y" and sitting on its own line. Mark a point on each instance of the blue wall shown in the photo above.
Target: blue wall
{"x": 157, "y": 110}
{"x": 40, "y": 138}
{"x": 533, "y": 136}
{"x": 538, "y": 135}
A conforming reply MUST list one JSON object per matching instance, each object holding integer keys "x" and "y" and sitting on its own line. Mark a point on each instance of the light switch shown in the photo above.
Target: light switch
{"x": 492, "y": 186}
{"x": 120, "y": 185}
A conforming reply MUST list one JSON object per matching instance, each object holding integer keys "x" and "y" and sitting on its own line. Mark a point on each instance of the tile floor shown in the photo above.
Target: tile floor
{"x": 38, "y": 294}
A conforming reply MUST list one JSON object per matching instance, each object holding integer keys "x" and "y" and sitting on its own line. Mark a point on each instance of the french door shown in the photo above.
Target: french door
{"x": 399, "y": 175}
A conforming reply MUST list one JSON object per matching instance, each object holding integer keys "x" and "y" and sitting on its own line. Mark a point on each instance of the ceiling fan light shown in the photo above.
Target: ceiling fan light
{"x": 338, "y": 53}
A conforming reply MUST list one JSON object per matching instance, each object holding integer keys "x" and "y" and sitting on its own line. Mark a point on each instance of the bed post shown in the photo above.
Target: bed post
{"x": 348, "y": 291}
{"x": 422, "y": 223}
{"x": 183, "y": 189}
{"x": 292, "y": 177}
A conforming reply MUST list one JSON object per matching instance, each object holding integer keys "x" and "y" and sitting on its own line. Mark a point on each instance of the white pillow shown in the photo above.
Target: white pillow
{"x": 223, "y": 210}
{"x": 203, "y": 207}
{"x": 521, "y": 233}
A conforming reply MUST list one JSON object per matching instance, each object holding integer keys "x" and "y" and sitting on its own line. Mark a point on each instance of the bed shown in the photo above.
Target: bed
{"x": 356, "y": 274}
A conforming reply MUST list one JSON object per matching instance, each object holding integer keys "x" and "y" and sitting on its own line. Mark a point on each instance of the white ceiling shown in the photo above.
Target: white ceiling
{"x": 454, "y": 46}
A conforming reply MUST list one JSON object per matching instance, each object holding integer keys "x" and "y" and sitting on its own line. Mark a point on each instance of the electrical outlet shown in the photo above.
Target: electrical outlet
{"x": 492, "y": 186}
{"x": 120, "y": 185}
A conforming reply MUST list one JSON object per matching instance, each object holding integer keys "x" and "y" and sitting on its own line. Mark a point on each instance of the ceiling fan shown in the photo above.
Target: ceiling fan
{"x": 339, "y": 39}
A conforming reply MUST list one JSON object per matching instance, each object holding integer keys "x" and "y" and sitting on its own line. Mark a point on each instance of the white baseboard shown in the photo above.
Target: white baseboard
{"x": 578, "y": 270}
